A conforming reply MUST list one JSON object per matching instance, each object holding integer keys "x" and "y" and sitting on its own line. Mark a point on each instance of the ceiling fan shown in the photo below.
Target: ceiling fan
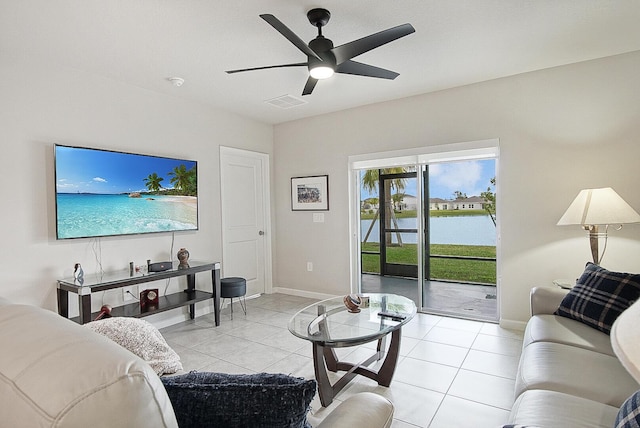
{"x": 323, "y": 60}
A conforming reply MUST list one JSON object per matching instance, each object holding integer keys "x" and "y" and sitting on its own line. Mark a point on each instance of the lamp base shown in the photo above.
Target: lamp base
{"x": 594, "y": 236}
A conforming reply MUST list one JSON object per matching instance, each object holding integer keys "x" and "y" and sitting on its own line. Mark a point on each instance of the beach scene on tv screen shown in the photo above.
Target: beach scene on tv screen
{"x": 104, "y": 193}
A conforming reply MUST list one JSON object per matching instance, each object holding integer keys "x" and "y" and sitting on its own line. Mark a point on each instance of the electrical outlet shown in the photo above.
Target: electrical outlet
{"x": 133, "y": 289}
{"x": 309, "y": 266}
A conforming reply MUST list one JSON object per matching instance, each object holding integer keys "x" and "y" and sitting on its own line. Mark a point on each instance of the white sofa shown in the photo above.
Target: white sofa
{"x": 55, "y": 373}
{"x": 569, "y": 373}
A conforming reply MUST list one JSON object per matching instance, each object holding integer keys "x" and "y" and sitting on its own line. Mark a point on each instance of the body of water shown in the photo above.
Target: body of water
{"x": 464, "y": 230}
{"x": 82, "y": 215}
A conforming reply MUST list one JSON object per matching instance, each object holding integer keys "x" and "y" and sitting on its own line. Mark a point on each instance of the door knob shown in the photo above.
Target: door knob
{"x": 261, "y": 233}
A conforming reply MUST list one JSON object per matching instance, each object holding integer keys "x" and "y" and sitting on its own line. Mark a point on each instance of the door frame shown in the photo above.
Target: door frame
{"x": 480, "y": 149}
{"x": 266, "y": 192}
{"x": 387, "y": 268}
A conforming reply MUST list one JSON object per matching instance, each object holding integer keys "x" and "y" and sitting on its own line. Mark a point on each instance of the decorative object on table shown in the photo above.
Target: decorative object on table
{"x": 593, "y": 208}
{"x": 183, "y": 258}
{"x": 78, "y": 273}
{"x": 141, "y": 338}
{"x": 240, "y": 400}
{"x": 149, "y": 299}
{"x": 310, "y": 193}
{"x": 364, "y": 301}
{"x": 352, "y": 302}
{"x": 158, "y": 266}
{"x": 105, "y": 312}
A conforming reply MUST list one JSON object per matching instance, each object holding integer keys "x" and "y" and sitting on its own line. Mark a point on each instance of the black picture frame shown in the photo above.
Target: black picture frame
{"x": 310, "y": 193}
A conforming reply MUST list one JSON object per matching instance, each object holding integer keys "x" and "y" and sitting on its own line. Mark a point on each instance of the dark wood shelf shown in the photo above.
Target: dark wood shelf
{"x": 112, "y": 280}
{"x": 165, "y": 303}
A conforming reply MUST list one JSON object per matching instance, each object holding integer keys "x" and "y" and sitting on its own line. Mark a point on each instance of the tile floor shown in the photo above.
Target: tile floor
{"x": 451, "y": 372}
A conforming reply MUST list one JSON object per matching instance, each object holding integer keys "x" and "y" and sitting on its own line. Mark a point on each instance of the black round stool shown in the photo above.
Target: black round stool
{"x": 233, "y": 287}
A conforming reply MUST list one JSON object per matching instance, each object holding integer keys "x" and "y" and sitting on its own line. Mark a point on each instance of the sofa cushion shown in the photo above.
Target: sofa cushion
{"x": 599, "y": 297}
{"x": 53, "y": 372}
{"x": 240, "y": 400}
{"x": 629, "y": 414}
{"x": 556, "y": 409}
{"x": 553, "y": 328}
{"x": 574, "y": 371}
{"x": 141, "y": 338}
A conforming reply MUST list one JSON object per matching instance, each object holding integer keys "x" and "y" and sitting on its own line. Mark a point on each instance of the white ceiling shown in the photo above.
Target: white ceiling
{"x": 457, "y": 42}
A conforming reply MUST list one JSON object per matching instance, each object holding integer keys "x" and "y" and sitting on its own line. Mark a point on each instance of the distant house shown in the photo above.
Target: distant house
{"x": 369, "y": 204}
{"x": 470, "y": 203}
{"x": 408, "y": 202}
{"x": 439, "y": 204}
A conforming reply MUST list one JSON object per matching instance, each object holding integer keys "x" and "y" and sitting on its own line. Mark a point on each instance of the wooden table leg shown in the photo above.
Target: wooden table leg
{"x": 325, "y": 390}
{"x": 388, "y": 368}
{"x": 84, "y": 308}
{"x": 215, "y": 284}
{"x": 63, "y": 303}
{"x": 191, "y": 287}
{"x": 325, "y": 360}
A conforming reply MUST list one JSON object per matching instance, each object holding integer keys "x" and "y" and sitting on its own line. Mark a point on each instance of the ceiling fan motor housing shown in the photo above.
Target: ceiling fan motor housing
{"x": 322, "y": 47}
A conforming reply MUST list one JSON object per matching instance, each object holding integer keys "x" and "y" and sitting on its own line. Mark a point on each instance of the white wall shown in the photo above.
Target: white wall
{"x": 42, "y": 105}
{"x": 560, "y": 130}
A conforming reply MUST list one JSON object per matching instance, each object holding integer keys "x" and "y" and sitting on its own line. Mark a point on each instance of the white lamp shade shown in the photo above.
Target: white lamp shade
{"x": 599, "y": 207}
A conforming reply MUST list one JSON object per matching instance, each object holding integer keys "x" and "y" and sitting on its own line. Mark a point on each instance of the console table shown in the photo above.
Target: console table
{"x": 110, "y": 280}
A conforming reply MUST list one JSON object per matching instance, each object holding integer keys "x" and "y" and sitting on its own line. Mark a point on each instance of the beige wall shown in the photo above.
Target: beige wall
{"x": 42, "y": 105}
{"x": 560, "y": 130}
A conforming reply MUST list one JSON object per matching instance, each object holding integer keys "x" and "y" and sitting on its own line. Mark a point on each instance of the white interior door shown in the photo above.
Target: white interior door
{"x": 246, "y": 248}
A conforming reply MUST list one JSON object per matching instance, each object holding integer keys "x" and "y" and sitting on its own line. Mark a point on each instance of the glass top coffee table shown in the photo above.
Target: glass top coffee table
{"x": 328, "y": 325}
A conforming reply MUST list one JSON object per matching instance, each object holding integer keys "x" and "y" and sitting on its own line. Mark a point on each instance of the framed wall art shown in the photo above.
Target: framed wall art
{"x": 310, "y": 193}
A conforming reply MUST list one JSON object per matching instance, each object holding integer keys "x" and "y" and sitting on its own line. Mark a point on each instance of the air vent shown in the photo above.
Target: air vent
{"x": 286, "y": 101}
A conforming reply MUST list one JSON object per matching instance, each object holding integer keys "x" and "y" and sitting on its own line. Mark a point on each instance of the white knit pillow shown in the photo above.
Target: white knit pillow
{"x": 141, "y": 338}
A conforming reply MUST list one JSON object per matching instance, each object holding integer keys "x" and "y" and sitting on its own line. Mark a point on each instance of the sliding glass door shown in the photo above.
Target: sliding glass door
{"x": 428, "y": 232}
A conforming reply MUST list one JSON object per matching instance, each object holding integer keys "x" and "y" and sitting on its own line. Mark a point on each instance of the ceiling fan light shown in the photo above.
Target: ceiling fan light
{"x": 321, "y": 72}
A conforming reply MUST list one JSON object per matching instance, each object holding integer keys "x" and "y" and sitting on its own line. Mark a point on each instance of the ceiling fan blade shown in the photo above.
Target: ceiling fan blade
{"x": 360, "y": 69}
{"x": 365, "y": 44}
{"x": 290, "y": 35}
{"x": 308, "y": 87}
{"x": 297, "y": 64}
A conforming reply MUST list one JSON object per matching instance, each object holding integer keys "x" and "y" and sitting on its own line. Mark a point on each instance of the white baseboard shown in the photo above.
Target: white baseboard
{"x": 513, "y": 325}
{"x": 302, "y": 293}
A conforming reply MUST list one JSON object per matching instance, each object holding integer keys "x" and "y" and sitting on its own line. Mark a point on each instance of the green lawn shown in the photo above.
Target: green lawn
{"x": 367, "y": 215}
{"x": 479, "y": 271}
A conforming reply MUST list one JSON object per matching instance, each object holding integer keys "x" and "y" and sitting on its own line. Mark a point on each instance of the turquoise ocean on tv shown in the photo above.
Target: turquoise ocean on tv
{"x": 82, "y": 214}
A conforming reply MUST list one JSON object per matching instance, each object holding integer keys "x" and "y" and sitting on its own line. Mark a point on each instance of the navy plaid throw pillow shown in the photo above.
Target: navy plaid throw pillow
{"x": 629, "y": 414}
{"x": 599, "y": 297}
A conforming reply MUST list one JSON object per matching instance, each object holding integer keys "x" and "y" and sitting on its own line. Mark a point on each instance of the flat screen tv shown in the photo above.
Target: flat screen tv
{"x": 106, "y": 193}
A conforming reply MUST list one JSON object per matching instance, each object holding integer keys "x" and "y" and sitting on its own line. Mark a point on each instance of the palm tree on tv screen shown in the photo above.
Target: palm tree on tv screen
{"x": 153, "y": 182}
{"x": 184, "y": 180}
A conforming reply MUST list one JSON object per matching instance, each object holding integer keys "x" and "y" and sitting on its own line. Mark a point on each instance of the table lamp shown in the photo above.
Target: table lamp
{"x": 593, "y": 208}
